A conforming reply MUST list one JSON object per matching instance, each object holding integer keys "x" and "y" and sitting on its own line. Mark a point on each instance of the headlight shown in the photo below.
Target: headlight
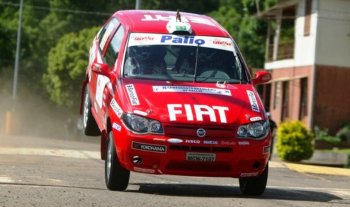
{"x": 139, "y": 124}
{"x": 255, "y": 130}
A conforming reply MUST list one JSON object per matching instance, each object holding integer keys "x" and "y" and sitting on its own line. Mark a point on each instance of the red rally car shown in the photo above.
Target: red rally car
{"x": 170, "y": 93}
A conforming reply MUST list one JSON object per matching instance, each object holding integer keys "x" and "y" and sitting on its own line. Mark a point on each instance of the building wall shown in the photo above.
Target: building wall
{"x": 293, "y": 76}
{"x": 304, "y": 49}
{"x": 332, "y": 97}
{"x": 305, "y": 46}
{"x": 333, "y": 35}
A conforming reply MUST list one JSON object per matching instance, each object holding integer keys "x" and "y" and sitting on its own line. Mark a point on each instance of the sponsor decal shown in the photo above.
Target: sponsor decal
{"x": 243, "y": 143}
{"x": 257, "y": 118}
{"x": 253, "y": 101}
{"x": 175, "y": 141}
{"x": 210, "y": 142}
{"x": 197, "y": 112}
{"x": 227, "y": 142}
{"x": 130, "y": 89}
{"x": 117, "y": 127}
{"x": 144, "y": 170}
{"x": 192, "y": 141}
{"x": 143, "y": 38}
{"x": 116, "y": 108}
{"x": 188, "y": 89}
{"x": 159, "y": 139}
{"x": 252, "y": 174}
{"x": 222, "y": 43}
{"x": 190, "y": 40}
{"x": 149, "y": 147}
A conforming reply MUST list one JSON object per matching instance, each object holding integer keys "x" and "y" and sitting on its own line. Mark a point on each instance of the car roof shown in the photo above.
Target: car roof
{"x": 154, "y": 21}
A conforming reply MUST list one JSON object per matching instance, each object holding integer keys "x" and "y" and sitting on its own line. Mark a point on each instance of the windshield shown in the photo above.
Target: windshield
{"x": 182, "y": 58}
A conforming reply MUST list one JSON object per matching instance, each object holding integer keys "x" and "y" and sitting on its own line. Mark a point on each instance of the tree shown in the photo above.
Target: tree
{"x": 239, "y": 18}
{"x": 201, "y": 7}
{"x": 67, "y": 63}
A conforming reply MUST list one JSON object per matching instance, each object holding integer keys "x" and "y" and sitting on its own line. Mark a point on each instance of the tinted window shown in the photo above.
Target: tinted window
{"x": 106, "y": 32}
{"x": 114, "y": 46}
{"x": 183, "y": 63}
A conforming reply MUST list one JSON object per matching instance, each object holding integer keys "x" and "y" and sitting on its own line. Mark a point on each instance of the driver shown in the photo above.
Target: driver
{"x": 146, "y": 60}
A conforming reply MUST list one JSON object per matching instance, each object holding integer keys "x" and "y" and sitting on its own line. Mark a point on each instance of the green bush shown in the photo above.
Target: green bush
{"x": 322, "y": 134}
{"x": 294, "y": 141}
{"x": 344, "y": 133}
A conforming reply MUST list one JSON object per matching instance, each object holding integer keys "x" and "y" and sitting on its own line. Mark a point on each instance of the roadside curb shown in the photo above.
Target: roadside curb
{"x": 304, "y": 168}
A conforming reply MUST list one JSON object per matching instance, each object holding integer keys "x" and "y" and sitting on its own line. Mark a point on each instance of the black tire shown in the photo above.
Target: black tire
{"x": 89, "y": 123}
{"x": 116, "y": 176}
{"x": 254, "y": 186}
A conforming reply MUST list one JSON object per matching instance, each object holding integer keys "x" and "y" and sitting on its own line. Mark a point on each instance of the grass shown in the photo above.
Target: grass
{"x": 345, "y": 151}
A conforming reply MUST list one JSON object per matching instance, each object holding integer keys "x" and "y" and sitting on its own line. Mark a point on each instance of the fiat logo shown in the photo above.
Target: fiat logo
{"x": 201, "y": 132}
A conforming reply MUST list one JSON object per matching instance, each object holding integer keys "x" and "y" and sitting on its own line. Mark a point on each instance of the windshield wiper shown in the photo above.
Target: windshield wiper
{"x": 196, "y": 64}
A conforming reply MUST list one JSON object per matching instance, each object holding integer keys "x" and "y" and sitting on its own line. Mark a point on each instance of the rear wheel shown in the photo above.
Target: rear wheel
{"x": 116, "y": 176}
{"x": 89, "y": 123}
{"x": 254, "y": 186}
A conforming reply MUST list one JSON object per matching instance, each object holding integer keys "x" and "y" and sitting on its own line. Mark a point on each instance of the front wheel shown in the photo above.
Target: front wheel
{"x": 116, "y": 176}
{"x": 254, "y": 186}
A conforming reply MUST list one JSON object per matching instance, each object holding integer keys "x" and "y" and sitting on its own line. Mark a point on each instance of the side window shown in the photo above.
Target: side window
{"x": 114, "y": 46}
{"x": 106, "y": 32}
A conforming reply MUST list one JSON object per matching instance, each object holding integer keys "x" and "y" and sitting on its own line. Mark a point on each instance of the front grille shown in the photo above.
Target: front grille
{"x": 200, "y": 148}
{"x": 199, "y": 166}
{"x": 191, "y": 131}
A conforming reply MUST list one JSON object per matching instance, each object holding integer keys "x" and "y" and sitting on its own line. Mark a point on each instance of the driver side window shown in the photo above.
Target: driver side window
{"x": 114, "y": 47}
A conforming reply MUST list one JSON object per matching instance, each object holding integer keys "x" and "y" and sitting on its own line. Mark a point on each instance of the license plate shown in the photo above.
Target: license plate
{"x": 200, "y": 157}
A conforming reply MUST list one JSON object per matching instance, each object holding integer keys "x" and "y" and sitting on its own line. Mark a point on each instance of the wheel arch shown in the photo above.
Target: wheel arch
{"x": 104, "y": 138}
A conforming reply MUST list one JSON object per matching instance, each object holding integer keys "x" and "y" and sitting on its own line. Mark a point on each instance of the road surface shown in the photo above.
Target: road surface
{"x": 51, "y": 172}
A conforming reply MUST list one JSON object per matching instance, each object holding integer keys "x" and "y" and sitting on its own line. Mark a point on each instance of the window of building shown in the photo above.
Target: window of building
{"x": 303, "y": 98}
{"x": 285, "y": 100}
{"x": 114, "y": 47}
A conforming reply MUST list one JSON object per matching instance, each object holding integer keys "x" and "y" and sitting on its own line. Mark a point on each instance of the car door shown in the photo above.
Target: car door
{"x": 96, "y": 56}
{"x": 103, "y": 83}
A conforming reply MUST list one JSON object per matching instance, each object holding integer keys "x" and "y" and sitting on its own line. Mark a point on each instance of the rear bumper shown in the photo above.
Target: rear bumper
{"x": 158, "y": 155}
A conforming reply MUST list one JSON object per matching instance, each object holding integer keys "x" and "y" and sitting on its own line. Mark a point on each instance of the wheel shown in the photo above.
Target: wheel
{"x": 89, "y": 123}
{"x": 256, "y": 185}
{"x": 116, "y": 176}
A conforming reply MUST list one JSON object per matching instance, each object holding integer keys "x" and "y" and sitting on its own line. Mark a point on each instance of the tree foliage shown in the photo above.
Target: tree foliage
{"x": 67, "y": 63}
{"x": 51, "y": 33}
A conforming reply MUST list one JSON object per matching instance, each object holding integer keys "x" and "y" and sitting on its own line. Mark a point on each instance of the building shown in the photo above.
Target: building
{"x": 308, "y": 55}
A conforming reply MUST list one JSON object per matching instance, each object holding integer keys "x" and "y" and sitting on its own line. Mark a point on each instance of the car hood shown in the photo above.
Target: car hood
{"x": 191, "y": 103}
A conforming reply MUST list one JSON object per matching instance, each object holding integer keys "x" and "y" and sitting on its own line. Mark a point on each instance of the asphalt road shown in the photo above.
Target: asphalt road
{"x": 50, "y": 172}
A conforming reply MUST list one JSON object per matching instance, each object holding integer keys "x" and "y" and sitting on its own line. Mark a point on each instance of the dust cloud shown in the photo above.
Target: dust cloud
{"x": 34, "y": 115}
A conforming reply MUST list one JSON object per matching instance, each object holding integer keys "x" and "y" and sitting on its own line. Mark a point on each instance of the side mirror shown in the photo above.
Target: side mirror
{"x": 261, "y": 77}
{"x": 101, "y": 68}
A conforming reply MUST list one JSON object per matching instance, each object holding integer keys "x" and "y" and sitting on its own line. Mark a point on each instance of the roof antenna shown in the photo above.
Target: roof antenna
{"x": 178, "y": 16}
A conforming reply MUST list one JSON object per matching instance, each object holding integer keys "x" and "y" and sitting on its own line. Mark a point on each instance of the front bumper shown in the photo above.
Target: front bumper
{"x": 158, "y": 154}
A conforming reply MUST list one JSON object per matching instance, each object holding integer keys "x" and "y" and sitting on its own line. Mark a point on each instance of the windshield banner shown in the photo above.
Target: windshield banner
{"x": 222, "y": 43}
